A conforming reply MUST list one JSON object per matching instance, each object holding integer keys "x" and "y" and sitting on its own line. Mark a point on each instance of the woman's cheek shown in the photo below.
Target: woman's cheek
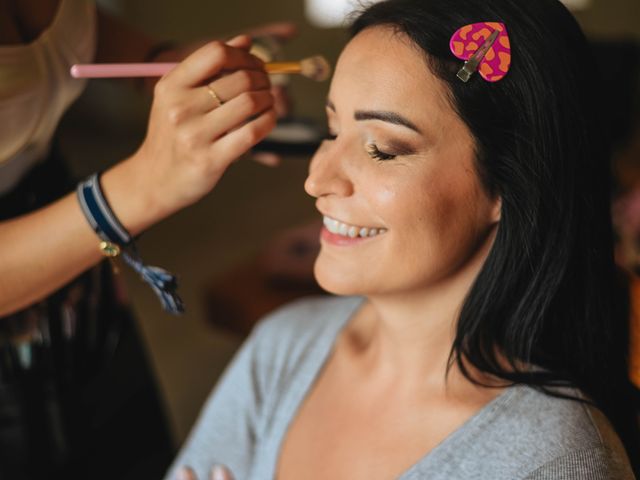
{"x": 387, "y": 203}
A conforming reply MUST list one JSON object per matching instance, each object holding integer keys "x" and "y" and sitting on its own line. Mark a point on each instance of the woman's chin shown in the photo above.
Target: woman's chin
{"x": 337, "y": 282}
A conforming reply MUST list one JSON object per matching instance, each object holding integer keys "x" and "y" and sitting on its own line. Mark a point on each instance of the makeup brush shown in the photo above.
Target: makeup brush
{"x": 316, "y": 68}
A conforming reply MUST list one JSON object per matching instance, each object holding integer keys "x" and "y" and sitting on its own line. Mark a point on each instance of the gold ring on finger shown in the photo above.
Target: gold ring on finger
{"x": 215, "y": 96}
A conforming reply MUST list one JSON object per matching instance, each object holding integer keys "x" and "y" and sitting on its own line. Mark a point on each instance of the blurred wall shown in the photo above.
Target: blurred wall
{"x": 611, "y": 19}
{"x": 249, "y": 205}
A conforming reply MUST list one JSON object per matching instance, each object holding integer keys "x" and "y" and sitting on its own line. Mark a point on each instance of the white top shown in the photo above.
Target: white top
{"x": 36, "y": 87}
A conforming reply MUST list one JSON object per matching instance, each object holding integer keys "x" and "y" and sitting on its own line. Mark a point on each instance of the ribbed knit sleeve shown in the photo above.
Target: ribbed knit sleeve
{"x": 595, "y": 463}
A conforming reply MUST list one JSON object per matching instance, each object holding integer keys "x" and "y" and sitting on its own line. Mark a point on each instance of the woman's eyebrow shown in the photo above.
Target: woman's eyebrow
{"x": 385, "y": 116}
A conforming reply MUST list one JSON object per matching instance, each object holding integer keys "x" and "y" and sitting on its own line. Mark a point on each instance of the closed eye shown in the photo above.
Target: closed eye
{"x": 375, "y": 152}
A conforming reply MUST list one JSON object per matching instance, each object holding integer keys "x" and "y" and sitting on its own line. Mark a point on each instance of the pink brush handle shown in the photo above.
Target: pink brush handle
{"x": 121, "y": 70}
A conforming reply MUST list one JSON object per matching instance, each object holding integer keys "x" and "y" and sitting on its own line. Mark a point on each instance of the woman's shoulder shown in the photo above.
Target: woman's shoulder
{"x": 527, "y": 434}
{"x": 562, "y": 436}
{"x": 566, "y": 423}
{"x": 299, "y": 335}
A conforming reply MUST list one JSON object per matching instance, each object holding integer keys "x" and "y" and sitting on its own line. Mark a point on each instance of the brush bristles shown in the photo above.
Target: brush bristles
{"x": 316, "y": 68}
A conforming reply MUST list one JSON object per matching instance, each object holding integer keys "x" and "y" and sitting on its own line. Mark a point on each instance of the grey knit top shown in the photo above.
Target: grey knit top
{"x": 521, "y": 434}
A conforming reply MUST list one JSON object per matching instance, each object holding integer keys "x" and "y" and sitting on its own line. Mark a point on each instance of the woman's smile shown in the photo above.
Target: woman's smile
{"x": 336, "y": 231}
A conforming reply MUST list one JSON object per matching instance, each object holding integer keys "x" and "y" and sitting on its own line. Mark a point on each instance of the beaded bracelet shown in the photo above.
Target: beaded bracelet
{"x": 116, "y": 240}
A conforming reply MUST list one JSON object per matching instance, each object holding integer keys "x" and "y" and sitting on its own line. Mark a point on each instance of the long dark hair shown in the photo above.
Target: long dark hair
{"x": 548, "y": 293}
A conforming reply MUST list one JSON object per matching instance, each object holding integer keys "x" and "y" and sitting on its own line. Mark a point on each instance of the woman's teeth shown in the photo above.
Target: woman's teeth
{"x": 352, "y": 231}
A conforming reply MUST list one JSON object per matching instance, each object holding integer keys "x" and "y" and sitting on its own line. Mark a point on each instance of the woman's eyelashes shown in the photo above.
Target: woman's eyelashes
{"x": 375, "y": 152}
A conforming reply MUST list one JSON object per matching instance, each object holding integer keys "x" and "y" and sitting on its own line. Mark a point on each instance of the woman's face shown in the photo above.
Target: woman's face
{"x": 404, "y": 208}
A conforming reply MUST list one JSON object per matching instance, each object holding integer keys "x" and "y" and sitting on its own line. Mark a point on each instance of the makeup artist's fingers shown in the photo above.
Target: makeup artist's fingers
{"x": 187, "y": 105}
{"x": 232, "y": 85}
{"x": 207, "y": 62}
{"x": 199, "y": 131}
{"x": 238, "y": 142}
{"x": 240, "y": 41}
{"x": 236, "y": 112}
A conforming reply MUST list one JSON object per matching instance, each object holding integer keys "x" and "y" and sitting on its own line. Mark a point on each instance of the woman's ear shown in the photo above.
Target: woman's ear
{"x": 496, "y": 210}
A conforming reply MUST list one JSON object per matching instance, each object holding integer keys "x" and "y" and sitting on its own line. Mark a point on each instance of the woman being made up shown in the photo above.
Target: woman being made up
{"x": 475, "y": 333}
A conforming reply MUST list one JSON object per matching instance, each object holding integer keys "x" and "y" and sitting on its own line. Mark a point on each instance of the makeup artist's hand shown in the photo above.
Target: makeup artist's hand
{"x": 218, "y": 472}
{"x": 191, "y": 138}
{"x": 280, "y": 32}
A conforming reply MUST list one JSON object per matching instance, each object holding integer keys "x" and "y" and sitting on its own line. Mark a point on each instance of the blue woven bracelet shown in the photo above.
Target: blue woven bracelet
{"x": 116, "y": 240}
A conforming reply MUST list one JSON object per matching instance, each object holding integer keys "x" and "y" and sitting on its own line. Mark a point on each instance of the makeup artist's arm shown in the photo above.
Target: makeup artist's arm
{"x": 185, "y": 153}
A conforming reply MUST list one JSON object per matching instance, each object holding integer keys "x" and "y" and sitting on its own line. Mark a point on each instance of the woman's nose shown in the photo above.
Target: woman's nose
{"x": 327, "y": 175}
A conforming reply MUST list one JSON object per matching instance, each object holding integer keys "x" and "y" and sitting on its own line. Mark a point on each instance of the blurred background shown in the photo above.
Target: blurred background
{"x": 216, "y": 245}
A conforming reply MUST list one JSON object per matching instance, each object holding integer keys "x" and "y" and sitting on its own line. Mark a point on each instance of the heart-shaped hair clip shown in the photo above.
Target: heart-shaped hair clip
{"x": 485, "y": 47}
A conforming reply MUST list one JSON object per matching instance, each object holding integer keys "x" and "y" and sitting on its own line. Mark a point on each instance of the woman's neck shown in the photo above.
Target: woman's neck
{"x": 408, "y": 336}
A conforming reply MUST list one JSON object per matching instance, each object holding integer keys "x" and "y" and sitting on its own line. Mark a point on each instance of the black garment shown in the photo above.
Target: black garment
{"x": 77, "y": 395}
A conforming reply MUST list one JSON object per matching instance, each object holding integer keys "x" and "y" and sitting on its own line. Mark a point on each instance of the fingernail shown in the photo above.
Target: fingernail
{"x": 267, "y": 158}
{"x": 218, "y": 472}
{"x": 184, "y": 473}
